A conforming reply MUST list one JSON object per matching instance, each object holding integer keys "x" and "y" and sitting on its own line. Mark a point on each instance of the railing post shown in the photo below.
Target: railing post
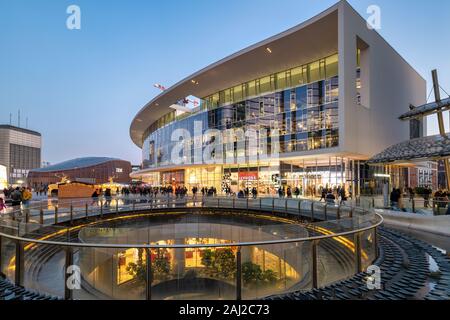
{"x": 299, "y": 209}
{"x": 273, "y": 206}
{"x": 373, "y": 203}
{"x": 286, "y": 207}
{"x": 325, "y": 211}
{"x": 134, "y": 206}
{"x": 315, "y": 280}
{"x": 41, "y": 216}
{"x": 234, "y": 203}
{"x": 56, "y": 214}
{"x": 247, "y": 204}
{"x": 260, "y": 203}
{"x": 68, "y": 292}
{"x": 413, "y": 205}
{"x": 1, "y": 262}
{"x": 358, "y": 262}
{"x": 71, "y": 214}
{"x": 312, "y": 211}
{"x": 375, "y": 241}
{"x": 19, "y": 266}
{"x": 238, "y": 275}
{"x": 338, "y": 213}
{"x": 351, "y": 212}
{"x": 27, "y": 216}
{"x": 101, "y": 208}
{"x": 86, "y": 210}
{"x": 148, "y": 274}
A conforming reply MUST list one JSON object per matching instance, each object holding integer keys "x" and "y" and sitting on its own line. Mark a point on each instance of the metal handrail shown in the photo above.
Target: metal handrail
{"x": 181, "y": 246}
{"x": 68, "y": 246}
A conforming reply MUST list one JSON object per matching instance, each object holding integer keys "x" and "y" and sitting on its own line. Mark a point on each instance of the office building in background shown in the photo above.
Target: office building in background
{"x": 20, "y": 151}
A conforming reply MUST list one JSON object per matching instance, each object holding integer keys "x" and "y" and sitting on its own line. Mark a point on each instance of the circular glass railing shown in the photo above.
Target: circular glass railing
{"x": 184, "y": 248}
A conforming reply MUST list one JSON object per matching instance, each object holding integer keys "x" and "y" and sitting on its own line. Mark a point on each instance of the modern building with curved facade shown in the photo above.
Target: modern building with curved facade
{"x": 305, "y": 108}
{"x": 95, "y": 170}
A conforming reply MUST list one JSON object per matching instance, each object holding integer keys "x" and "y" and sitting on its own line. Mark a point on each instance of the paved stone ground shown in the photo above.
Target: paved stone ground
{"x": 410, "y": 270}
{"x": 8, "y": 291}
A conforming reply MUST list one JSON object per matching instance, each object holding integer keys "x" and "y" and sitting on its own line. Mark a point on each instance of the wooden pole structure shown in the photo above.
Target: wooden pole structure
{"x": 440, "y": 116}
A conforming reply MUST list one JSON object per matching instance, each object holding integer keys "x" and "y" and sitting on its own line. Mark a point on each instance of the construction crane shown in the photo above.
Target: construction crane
{"x": 185, "y": 100}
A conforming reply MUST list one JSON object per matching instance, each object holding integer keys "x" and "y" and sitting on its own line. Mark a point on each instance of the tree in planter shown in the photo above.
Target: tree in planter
{"x": 160, "y": 266}
{"x": 208, "y": 258}
{"x": 252, "y": 274}
{"x": 220, "y": 263}
{"x": 224, "y": 262}
{"x": 137, "y": 270}
{"x": 270, "y": 276}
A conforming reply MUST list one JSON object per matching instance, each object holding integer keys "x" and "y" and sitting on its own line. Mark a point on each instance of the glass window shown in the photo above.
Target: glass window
{"x": 314, "y": 71}
{"x": 227, "y": 96}
{"x": 238, "y": 93}
{"x": 264, "y": 85}
{"x": 297, "y": 76}
{"x": 332, "y": 64}
{"x": 251, "y": 88}
{"x": 281, "y": 80}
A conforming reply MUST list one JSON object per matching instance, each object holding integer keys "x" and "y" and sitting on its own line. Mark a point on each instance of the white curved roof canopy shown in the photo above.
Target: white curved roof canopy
{"x": 313, "y": 39}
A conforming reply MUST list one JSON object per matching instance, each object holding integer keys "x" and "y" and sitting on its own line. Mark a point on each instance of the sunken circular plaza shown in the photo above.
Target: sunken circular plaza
{"x": 212, "y": 248}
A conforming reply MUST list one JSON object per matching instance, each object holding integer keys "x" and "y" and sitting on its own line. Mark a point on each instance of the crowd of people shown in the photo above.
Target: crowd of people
{"x": 440, "y": 199}
{"x": 18, "y": 196}
{"x": 21, "y": 196}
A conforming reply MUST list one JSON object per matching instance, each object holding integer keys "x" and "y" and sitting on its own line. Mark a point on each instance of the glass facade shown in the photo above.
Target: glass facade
{"x": 290, "y": 112}
{"x": 302, "y": 118}
{"x": 308, "y": 73}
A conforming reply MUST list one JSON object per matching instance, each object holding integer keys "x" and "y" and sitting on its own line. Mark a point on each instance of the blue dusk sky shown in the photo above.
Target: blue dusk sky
{"x": 82, "y": 88}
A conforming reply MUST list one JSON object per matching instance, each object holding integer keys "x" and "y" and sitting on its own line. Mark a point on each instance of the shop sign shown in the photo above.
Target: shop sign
{"x": 248, "y": 176}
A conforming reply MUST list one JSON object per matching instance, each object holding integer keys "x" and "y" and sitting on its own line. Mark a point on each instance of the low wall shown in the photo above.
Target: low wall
{"x": 439, "y": 225}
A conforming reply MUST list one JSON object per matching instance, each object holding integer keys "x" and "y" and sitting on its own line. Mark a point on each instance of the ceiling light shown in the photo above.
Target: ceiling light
{"x": 269, "y": 50}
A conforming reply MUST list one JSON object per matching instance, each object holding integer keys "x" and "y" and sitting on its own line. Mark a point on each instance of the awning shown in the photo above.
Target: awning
{"x": 426, "y": 110}
{"x": 421, "y": 149}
